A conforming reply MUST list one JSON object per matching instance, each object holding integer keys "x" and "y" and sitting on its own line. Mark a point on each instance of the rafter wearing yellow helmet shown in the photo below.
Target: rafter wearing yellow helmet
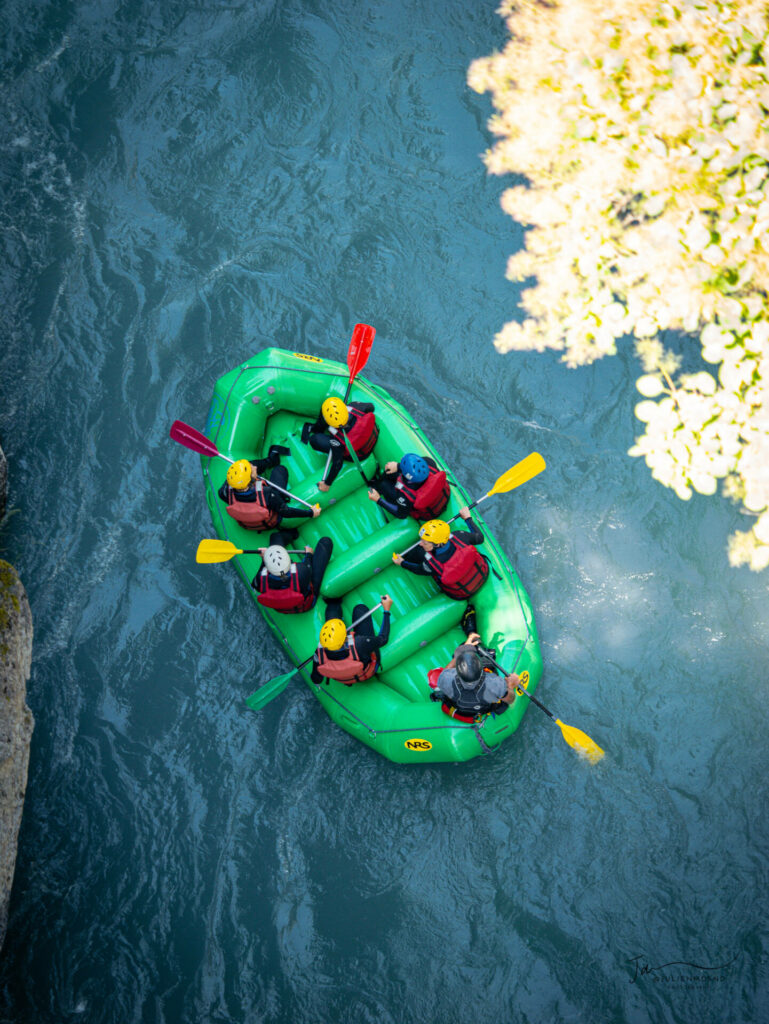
{"x": 250, "y": 498}
{"x": 452, "y": 559}
{"x": 339, "y": 430}
{"x": 350, "y": 657}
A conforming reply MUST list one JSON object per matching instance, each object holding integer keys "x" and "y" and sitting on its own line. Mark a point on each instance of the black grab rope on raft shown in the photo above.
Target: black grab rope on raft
{"x": 484, "y": 745}
{"x": 422, "y": 728}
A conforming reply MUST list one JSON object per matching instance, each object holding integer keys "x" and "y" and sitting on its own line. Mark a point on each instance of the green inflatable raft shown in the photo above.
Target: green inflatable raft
{"x": 265, "y": 401}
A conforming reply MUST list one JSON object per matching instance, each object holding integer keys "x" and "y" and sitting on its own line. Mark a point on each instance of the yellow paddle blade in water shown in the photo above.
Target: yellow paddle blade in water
{"x": 216, "y": 551}
{"x": 581, "y": 742}
{"x": 519, "y": 473}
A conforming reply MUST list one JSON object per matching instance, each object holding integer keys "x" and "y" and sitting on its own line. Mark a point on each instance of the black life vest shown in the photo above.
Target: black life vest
{"x": 463, "y": 573}
{"x": 288, "y": 599}
{"x": 347, "y": 670}
{"x": 465, "y": 705}
{"x": 430, "y": 498}
{"x": 254, "y": 515}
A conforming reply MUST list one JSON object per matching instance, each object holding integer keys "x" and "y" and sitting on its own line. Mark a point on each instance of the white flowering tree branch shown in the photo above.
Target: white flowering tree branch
{"x": 642, "y": 130}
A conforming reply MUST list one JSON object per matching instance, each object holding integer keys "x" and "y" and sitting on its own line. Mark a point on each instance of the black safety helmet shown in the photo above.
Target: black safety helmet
{"x": 469, "y": 668}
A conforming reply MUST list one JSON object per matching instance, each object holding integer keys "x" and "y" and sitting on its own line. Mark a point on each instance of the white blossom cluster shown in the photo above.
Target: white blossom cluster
{"x": 642, "y": 130}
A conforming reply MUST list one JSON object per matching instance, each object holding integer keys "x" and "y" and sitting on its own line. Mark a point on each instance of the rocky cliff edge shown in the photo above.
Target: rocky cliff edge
{"x": 16, "y": 722}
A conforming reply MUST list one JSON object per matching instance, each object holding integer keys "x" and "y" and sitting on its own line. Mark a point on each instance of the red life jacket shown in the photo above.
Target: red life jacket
{"x": 347, "y": 670}
{"x": 288, "y": 599}
{"x": 254, "y": 515}
{"x": 362, "y": 434}
{"x": 429, "y": 500}
{"x": 463, "y": 573}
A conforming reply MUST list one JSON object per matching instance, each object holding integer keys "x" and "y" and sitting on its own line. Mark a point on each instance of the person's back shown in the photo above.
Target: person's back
{"x": 350, "y": 656}
{"x": 412, "y": 487}
{"x": 469, "y": 690}
{"x": 287, "y": 586}
{"x": 338, "y": 428}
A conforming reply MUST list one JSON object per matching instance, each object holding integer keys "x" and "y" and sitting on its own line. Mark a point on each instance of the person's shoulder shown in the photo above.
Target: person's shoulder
{"x": 496, "y": 686}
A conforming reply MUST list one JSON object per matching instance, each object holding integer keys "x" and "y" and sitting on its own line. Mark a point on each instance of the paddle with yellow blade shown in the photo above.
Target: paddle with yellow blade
{"x": 578, "y": 740}
{"x": 224, "y": 550}
{"x": 270, "y": 690}
{"x": 518, "y": 474}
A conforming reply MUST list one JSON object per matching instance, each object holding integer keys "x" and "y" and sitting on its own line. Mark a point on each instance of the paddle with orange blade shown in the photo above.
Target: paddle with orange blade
{"x": 202, "y": 445}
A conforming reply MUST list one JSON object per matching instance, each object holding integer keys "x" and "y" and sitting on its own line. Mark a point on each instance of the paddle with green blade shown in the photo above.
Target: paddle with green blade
{"x": 211, "y": 550}
{"x": 518, "y": 474}
{"x": 276, "y": 686}
{"x": 191, "y": 438}
{"x": 578, "y": 740}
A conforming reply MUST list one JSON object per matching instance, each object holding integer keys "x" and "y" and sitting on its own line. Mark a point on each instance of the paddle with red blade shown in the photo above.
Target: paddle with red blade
{"x": 194, "y": 440}
{"x": 357, "y": 356}
{"x": 202, "y": 445}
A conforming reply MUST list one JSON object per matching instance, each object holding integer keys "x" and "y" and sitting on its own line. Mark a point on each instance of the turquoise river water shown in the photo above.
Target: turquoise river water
{"x": 184, "y": 184}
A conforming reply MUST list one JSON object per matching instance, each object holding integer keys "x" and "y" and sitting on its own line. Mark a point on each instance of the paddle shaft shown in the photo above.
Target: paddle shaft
{"x": 202, "y": 445}
{"x": 289, "y": 551}
{"x": 520, "y": 689}
{"x": 353, "y": 456}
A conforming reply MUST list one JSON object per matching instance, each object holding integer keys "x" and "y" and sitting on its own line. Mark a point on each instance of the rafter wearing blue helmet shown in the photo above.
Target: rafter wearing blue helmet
{"x": 412, "y": 487}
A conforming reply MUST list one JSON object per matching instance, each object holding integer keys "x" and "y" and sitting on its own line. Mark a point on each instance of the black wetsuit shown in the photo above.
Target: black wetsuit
{"x": 324, "y": 442}
{"x": 365, "y": 640}
{"x": 392, "y": 498}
